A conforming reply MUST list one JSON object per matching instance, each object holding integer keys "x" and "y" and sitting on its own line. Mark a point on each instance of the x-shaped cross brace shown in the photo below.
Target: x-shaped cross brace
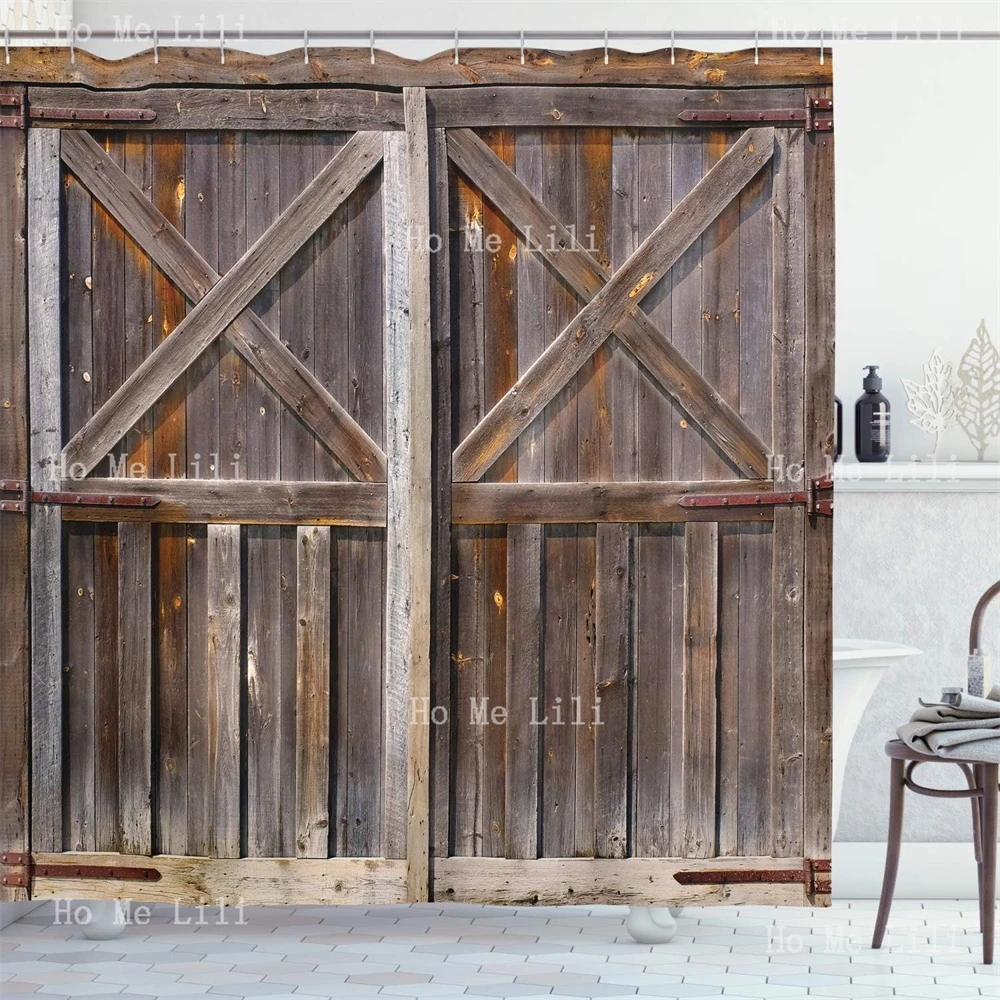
{"x": 612, "y": 304}
{"x": 221, "y": 303}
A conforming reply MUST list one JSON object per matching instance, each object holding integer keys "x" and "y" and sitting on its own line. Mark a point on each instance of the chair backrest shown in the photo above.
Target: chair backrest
{"x": 977, "y": 665}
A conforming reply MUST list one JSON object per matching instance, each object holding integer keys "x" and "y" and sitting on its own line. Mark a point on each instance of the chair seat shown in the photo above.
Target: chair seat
{"x": 903, "y": 751}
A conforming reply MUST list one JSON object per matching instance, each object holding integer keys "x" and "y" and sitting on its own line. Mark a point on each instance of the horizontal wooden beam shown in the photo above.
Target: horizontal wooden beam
{"x": 636, "y": 107}
{"x": 233, "y": 501}
{"x": 255, "y": 110}
{"x": 251, "y": 881}
{"x": 353, "y": 66}
{"x": 574, "y": 503}
{"x": 597, "y": 881}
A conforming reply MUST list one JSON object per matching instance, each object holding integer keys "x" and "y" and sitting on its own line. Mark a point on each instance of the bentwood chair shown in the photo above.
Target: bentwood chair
{"x": 982, "y": 781}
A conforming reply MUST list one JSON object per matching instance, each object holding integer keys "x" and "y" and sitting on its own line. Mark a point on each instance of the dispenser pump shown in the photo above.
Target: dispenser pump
{"x": 872, "y": 382}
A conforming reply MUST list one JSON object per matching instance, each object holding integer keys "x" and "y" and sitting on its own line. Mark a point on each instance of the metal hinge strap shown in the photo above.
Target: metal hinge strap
{"x": 814, "y": 875}
{"x": 810, "y": 497}
{"x": 31, "y": 869}
{"x": 20, "y": 114}
{"x": 816, "y": 116}
{"x": 11, "y": 111}
{"x": 23, "y": 496}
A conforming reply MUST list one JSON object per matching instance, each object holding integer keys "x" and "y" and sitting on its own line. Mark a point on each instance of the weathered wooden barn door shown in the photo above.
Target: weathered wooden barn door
{"x": 632, "y": 630}
{"x": 226, "y": 340}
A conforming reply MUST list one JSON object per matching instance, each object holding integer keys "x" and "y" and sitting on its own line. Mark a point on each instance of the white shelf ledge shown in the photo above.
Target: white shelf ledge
{"x": 917, "y": 477}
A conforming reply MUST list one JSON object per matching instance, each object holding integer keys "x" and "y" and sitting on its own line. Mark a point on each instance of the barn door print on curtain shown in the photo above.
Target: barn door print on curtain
{"x": 226, "y": 335}
{"x": 638, "y": 684}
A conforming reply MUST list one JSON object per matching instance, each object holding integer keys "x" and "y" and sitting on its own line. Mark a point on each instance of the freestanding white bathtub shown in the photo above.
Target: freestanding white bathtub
{"x": 858, "y": 666}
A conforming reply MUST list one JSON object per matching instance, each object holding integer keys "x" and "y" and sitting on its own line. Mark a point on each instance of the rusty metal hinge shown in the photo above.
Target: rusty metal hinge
{"x": 30, "y": 869}
{"x": 810, "y": 497}
{"x": 11, "y": 111}
{"x": 814, "y": 875}
{"x": 16, "y": 113}
{"x": 23, "y": 496}
{"x": 816, "y": 116}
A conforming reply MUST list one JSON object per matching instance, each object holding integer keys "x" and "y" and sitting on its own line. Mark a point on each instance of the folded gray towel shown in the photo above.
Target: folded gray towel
{"x": 968, "y": 729}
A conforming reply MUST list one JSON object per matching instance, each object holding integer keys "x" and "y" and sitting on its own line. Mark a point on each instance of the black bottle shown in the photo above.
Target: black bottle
{"x": 838, "y": 444}
{"x": 871, "y": 421}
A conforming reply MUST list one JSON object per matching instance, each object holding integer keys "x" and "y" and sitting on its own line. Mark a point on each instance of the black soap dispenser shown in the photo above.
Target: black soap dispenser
{"x": 871, "y": 421}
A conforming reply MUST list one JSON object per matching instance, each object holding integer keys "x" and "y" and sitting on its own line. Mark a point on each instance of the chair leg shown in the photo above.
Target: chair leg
{"x": 978, "y": 784}
{"x": 896, "y": 792}
{"x": 991, "y": 775}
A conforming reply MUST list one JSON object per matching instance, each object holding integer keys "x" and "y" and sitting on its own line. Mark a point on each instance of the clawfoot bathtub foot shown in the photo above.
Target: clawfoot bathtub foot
{"x": 651, "y": 924}
{"x": 107, "y": 920}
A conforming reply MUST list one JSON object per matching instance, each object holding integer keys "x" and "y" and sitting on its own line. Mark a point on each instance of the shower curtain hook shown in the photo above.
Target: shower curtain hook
{"x": 605, "y": 46}
{"x": 371, "y": 45}
{"x": 821, "y": 46}
{"x": 671, "y": 46}
{"x": 156, "y": 47}
{"x": 456, "y": 46}
{"x": 756, "y": 47}
{"x": 222, "y": 46}
{"x": 305, "y": 46}
{"x": 522, "y": 46}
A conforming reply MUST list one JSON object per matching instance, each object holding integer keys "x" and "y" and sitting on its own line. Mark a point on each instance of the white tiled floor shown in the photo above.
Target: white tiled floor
{"x": 436, "y": 951}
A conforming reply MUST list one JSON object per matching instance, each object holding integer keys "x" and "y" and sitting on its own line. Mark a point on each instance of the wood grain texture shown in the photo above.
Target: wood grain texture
{"x": 222, "y": 682}
{"x": 207, "y": 501}
{"x": 788, "y": 580}
{"x": 818, "y": 441}
{"x": 563, "y": 107}
{"x": 621, "y": 295}
{"x": 700, "y": 678}
{"x": 195, "y": 276}
{"x": 606, "y": 881}
{"x": 191, "y": 881}
{"x": 353, "y": 67}
{"x": 552, "y": 240}
{"x": 15, "y": 637}
{"x": 235, "y": 110}
{"x": 135, "y": 678}
{"x": 312, "y": 699}
{"x": 46, "y": 524}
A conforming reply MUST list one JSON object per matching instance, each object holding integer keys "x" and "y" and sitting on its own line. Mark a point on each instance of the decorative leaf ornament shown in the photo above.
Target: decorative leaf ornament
{"x": 978, "y": 394}
{"x": 933, "y": 404}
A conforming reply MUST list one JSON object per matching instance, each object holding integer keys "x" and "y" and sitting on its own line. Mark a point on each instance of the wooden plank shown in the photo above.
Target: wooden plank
{"x": 227, "y": 299}
{"x": 195, "y": 277}
{"x": 700, "y": 679}
{"x": 787, "y": 589}
{"x": 46, "y": 524}
{"x": 201, "y": 229}
{"x": 312, "y": 715}
{"x": 818, "y": 440}
{"x": 500, "y": 364}
{"x": 264, "y": 590}
{"x": 623, "y": 293}
{"x": 561, "y": 598}
{"x": 236, "y": 881}
{"x": 362, "y": 559}
{"x": 352, "y": 66}
{"x": 135, "y": 672}
{"x": 524, "y": 550}
{"x": 78, "y": 615}
{"x": 441, "y": 446}
{"x": 686, "y": 453}
{"x": 755, "y": 586}
{"x": 597, "y": 881}
{"x": 654, "y": 670}
{"x": 235, "y": 110}
{"x": 208, "y": 501}
{"x": 563, "y": 251}
{"x": 634, "y": 107}
{"x": 222, "y": 682}
{"x": 15, "y": 637}
{"x": 170, "y": 459}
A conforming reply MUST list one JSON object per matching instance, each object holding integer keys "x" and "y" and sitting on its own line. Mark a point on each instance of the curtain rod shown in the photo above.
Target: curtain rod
{"x": 826, "y": 38}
